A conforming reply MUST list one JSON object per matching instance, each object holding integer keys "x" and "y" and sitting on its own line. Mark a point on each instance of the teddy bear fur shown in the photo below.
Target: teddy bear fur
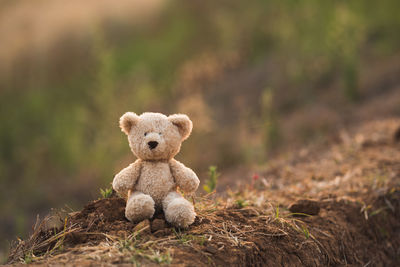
{"x": 155, "y": 176}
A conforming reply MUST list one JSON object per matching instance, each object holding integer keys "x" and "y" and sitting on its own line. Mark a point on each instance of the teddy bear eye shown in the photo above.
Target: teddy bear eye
{"x": 160, "y": 133}
{"x": 145, "y": 134}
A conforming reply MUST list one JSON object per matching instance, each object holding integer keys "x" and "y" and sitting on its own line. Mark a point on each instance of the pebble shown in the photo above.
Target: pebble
{"x": 143, "y": 227}
{"x": 211, "y": 249}
{"x": 157, "y": 224}
{"x": 305, "y": 206}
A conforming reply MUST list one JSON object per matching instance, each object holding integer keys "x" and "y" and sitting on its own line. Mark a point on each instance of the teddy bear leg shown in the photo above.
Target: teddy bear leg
{"x": 177, "y": 210}
{"x": 139, "y": 207}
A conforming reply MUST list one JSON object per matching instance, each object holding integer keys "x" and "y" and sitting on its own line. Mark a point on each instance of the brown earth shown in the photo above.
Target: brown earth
{"x": 321, "y": 207}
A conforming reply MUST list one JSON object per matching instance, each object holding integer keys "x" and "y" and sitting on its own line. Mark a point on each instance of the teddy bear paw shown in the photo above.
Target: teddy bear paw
{"x": 139, "y": 207}
{"x": 180, "y": 213}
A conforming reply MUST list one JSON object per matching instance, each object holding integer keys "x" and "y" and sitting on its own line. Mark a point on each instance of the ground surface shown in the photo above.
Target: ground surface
{"x": 321, "y": 207}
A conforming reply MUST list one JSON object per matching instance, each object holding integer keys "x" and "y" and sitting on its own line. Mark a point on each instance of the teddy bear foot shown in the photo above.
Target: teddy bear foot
{"x": 178, "y": 211}
{"x": 139, "y": 207}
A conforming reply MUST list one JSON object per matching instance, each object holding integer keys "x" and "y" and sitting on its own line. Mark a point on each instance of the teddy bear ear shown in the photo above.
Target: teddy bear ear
{"x": 183, "y": 123}
{"x": 127, "y": 121}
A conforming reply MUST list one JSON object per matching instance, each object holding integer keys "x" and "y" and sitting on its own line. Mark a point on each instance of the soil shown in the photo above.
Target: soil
{"x": 327, "y": 207}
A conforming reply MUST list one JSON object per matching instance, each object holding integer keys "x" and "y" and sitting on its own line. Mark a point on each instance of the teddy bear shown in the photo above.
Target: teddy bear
{"x": 150, "y": 183}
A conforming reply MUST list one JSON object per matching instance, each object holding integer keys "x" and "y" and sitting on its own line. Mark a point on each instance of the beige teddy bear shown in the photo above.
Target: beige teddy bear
{"x": 150, "y": 183}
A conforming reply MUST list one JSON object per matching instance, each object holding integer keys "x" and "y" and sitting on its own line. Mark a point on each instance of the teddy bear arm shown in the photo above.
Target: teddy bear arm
{"x": 126, "y": 179}
{"x": 185, "y": 177}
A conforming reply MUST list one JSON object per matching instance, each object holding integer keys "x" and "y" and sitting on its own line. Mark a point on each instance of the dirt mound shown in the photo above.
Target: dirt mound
{"x": 248, "y": 236}
{"x": 104, "y": 216}
{"x": 348, "y": 198}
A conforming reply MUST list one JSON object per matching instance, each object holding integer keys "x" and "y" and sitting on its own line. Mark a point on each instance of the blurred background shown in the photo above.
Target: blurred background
{"x": 256, "y": 77}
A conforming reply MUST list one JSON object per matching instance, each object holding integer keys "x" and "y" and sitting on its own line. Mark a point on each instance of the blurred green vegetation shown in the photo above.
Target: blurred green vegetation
{"x": 211, "y": 183}
{"x": 59, "y": 107}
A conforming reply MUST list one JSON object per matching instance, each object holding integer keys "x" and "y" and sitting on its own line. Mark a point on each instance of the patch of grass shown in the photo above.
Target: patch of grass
{"x": 141, "y": 248}
{"x": 135, "y": 261}
{"x": 286, "y": 219}
{"x": 241, "y": 203}
{"x": 28, "y": 258}
{"x": 106, "y": 193}
{"x": 126, "y": 244}
{"x": 211, "y": 182}
{"x": 160, "y": 257}
{"x": 187, "y": 239}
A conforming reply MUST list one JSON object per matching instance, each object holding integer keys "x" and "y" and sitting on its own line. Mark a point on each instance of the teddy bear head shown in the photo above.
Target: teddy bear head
{"x": 154, "y": 136}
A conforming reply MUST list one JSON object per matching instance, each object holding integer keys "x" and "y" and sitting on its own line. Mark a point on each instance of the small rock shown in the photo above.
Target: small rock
{"x": 305, "y": 206}
{"x": 211, "y": 249}
{"x": 143, "y": 227}
{"x": 77, "y": 238}
{"x": 157, "y": 224}
{"x": 396, "y": 135}
{"x": 53, "y": 222}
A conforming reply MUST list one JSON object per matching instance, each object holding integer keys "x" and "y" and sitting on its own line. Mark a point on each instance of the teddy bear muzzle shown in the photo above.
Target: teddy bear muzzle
{"x": 152, "y": 144}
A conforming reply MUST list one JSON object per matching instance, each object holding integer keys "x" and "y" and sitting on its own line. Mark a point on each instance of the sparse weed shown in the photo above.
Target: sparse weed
{"x": 139, "y": 248}
{"x": 287, "y": 220}
{"x": 277, "y": 212}
{"x": 135, "y": 261}
{"x": 28, "y": 258}
{"x": 305, "y": 231}
{"x": 378, "y": 211}
{"x": 126, "y": 244}
{"x": 201, "y": 240}
{"x": 159, "y": 257}
{"x": 131, "y": 243}
{"x": 364, "y": 210}
{"x": 106, "y": 193}
{"x": 35, "y": 248}
{"x": 60, "y": 237}
{"x": 211, "y": 182}
{"x": 182, "y": 237}
{"x": 241, "y": 203}
{"x": 185, "y": 238}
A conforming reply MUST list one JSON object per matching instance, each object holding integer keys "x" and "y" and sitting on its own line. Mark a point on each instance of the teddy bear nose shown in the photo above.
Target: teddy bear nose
{"x": 152, "y": 144}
